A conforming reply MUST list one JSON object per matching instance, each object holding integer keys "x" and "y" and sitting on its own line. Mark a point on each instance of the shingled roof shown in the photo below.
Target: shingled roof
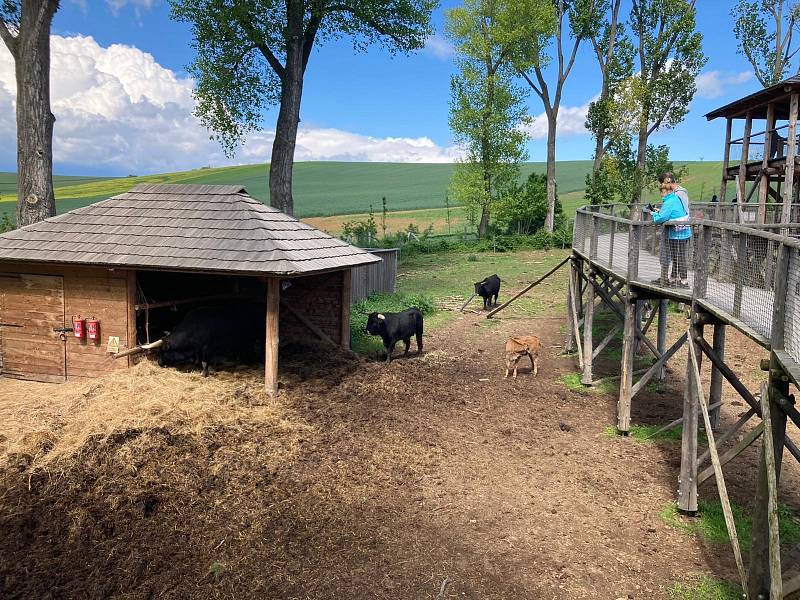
{"x": 183, "y": 227}
{"x": 757, "y": 102}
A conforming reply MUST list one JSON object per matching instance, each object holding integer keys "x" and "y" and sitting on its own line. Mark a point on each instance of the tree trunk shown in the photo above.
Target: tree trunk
{"x": 641, "y": 162}
{"x": 550, "y": 219}
{"x": 483, "y": 226}
{"x": 35, "y": 199}
{"x": 282, "y": 162}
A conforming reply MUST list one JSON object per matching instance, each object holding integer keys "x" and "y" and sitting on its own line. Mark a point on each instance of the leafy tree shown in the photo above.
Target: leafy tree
{"x": 487, "y": 112}
{"x": 252, "y": 54}
{"x": 670, "y": 56}
{"x": 25, "y": 30}
{"x": 768, "y": 48}
{"x": 614, "y": 53}
{"x": 617, "y": 179}
{"x": 524, "y": 209}
{"x": 583, "y": 17}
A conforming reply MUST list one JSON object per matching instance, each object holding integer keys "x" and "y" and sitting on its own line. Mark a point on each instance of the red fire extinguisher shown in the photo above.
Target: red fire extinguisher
{"x": 79, "y": 327}
{"x": 93, "y": 329}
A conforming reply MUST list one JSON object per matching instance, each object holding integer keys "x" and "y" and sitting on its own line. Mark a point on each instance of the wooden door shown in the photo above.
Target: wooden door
{"x": 31, "y": 313}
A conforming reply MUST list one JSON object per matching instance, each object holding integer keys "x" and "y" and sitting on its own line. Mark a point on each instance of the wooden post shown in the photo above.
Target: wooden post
{"x": 791, "y": 152}
{"x": 726, "y": 159}
{"x": 347, "y": 289}
{"x": 765, "y": 534}
{"x": 588, "y": 324}
{"x": 628, "y": 334}
{"x": 638, "y": 320}
{"x": 715, "y": 393}
{"x": 611, "y": 239}
{"x": 661, "y": 342}
{"x": 687, "y": 484}
{"x": 740, "y": 273}
{"x": 742, "y": 183}
{"x": 271, "y": 346}
{"x": 764, "y": 184}
{"x": 569, "y": 346}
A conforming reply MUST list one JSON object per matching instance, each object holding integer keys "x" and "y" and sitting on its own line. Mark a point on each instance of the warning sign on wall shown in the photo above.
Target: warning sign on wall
{"x": 113, "y": 344}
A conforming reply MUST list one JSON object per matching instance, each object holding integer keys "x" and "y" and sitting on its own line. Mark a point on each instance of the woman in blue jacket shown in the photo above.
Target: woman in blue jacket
{"x": 679, "y": 234}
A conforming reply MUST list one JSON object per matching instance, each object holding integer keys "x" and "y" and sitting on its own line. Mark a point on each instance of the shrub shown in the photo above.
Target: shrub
{"x": 6, "y": 224}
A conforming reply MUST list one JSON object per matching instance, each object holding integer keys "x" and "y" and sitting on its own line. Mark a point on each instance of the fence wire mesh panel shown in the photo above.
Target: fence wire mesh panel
{"x": 740, "y": 281}
{"x": 579, "y": 230}
{"x": 792, "y": 321}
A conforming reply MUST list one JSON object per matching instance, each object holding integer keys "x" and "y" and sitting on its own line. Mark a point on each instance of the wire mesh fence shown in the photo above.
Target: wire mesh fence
{"x": 791, "y": 338}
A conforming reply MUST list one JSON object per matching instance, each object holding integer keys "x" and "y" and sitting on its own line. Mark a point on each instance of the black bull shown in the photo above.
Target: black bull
{"x": 487, "y": 288}
{"x": 217, "y": 336}
{"x": 393, "y": 327}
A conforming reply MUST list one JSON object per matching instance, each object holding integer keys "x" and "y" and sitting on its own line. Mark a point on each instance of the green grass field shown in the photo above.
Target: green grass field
{"x": 325, "y": 189}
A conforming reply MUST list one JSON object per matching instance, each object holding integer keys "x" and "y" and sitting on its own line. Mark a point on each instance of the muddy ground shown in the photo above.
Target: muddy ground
{"x": 394, "y": 479}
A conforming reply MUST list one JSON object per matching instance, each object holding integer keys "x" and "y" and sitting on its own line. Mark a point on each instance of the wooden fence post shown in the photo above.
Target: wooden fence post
{"x": 629, "y": 334}
{"x": 715, "y": 393}
{"x": 588, "y": 324}
{"x": 661, "y": 341}
{"x": 687, "y": 484}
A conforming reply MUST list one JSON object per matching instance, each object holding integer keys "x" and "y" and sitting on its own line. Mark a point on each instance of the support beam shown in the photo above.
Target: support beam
{"x": 529, "y": 287}
{"x": 728, "y": 434}
{"x": 588, "y": 331}
{"x": 576, "y": 332}
{"x": 730, "y": 524}
{"x": 791, "y": 153}
{"x": 726, "y": 159}
{"x": 763, "y": 186}
{"x": 687, "y": 484}
{"x": 626, "y": 368}
{"x": 271, "y": 346}
{"x": 606, "y": 340}
{"x": 743, "y": 445}
{"x": 656, "y": 366}
{"x": 347, "y": 291}
{"x": 742, "y": 181}
{"x": 715, "y": 393}
{"x": 661, "y": 343}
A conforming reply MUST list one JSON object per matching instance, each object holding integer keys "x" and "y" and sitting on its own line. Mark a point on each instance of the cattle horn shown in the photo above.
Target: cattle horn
{"x": 381, "y": 317}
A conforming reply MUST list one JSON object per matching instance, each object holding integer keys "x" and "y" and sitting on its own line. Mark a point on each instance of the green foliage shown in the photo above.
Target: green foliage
{"x": 6, "y": 223}
{"x": 364, "y": 343}
{"x": 768, "y": 49}
{"x": 646, "y": 433}
{"x": 523, "y": 209}
{"x": 361, "y": 233}
{"x": 487, "y": 109}
{"x": 249, "y": 52}
{"x": 710, "y": 523}
{"x": 705, "y": 588}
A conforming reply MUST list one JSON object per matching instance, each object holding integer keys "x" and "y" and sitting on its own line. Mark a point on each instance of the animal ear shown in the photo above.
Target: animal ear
{"x": 381, "y": 317}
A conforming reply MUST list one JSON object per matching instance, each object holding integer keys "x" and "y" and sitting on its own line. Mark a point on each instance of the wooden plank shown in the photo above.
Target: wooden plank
{"x": 687, "y": 483}
{"x": 575, "y": 329}
{"x": 742, "y": 177}
{"x": 347, "y": 289}
{"x": 661, "y": 343}
{"x": 726, "y": 160}
{"x": 131, "y": 340}
{"x": 588, "y": 332}
{"x": 528, "y": 288}
{"x": 272, "y": 336}
{"x": 656, "y": 366}
{"x": 715, "y": 392}
{"x": 768, "y": 452}
{"x": 743, "y": 444}
{"x": 626, "y": 369}
{"x": 764, "y": 183}
{"x": 791, "y": 153}
{"x": 728, "y": 434}
{"x": 720, "y": 478}
{"x": 606, "y": 340}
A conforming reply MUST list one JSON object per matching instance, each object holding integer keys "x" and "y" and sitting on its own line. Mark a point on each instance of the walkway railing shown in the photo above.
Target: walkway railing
{"x": 743, "y": 273}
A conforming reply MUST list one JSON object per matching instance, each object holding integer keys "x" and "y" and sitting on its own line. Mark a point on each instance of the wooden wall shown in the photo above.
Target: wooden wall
{"x": 377, "y": 277}
{"x": 89, "y": 292}
{"x": 319, "y": 299}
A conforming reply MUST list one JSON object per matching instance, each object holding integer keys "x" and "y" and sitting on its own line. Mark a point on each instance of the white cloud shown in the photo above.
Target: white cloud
{"x": 116, "y": 108}
{"x": 138, "y": 5}
{"x": 571, "y": 121}
{"x": 713, "y": 84}
{"x": 440, "y": 47}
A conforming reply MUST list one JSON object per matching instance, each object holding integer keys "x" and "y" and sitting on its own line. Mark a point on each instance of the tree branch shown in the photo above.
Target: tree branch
{"x": 273, "y": 61}
{"x": 530, "y": 83}
{"x": 368, "y": 20}
{"x": 9, "y": 39}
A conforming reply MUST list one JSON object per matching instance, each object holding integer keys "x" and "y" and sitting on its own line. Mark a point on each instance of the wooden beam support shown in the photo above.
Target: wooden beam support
{"x": 347, "y": 292}
{"x": 272, "y": 336}
{"x": 726, "y": 159}
{"x": 763, "y": 186}
{"x": 661, "y": 340}
{"x": 743, "y": 445}
{"x": 791, "y": 153}
{"x": 728, "y": 434}
{"x": 656, "y": 366}
{"x": 742, "y": 181}
{"x": 575, "y": 329}
{"x": 715, "y": 393}
{"x": 606, "y": 340}
{"x": 626, "y": 368}
{"x": 720, "y": 478}
{"x": 588, "y": 331}
{"x": 687, "y": 483}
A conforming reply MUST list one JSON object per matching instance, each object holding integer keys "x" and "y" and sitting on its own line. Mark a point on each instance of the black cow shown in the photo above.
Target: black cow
{"x": 487, "y": 288}
{"x": 216, "y": 336}
{"x": 393, "y": 327}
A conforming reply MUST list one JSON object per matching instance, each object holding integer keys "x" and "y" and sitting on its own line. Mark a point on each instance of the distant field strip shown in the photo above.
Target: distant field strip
{"x": 325, "y": 189}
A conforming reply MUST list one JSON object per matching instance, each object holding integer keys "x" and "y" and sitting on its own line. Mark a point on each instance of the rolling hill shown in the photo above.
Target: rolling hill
{"x": 329, "y": 189}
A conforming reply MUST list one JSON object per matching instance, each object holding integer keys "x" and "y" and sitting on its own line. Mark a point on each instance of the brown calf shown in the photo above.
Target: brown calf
{"x": 519, "y": 346}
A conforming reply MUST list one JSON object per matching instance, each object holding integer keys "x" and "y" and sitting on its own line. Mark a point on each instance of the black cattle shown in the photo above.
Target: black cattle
{"x": 216, "y": 336}
{"x": 393, "y": 327}
{"x": 487, "y": 288}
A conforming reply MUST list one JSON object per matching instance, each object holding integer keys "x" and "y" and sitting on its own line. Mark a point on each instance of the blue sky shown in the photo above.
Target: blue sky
{"x": 370, "y": 106}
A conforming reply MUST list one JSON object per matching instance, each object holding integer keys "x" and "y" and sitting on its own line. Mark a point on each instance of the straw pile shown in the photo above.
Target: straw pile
{"x": 42, "y": 424}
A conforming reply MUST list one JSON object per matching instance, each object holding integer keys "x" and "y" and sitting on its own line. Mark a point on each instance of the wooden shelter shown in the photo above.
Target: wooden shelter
{"x": 767, "y": 156}
{"x": 135, "y": 263}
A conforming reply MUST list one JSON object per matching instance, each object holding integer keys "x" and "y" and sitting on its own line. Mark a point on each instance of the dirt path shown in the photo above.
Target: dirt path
{"x": 402, "y": 476}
